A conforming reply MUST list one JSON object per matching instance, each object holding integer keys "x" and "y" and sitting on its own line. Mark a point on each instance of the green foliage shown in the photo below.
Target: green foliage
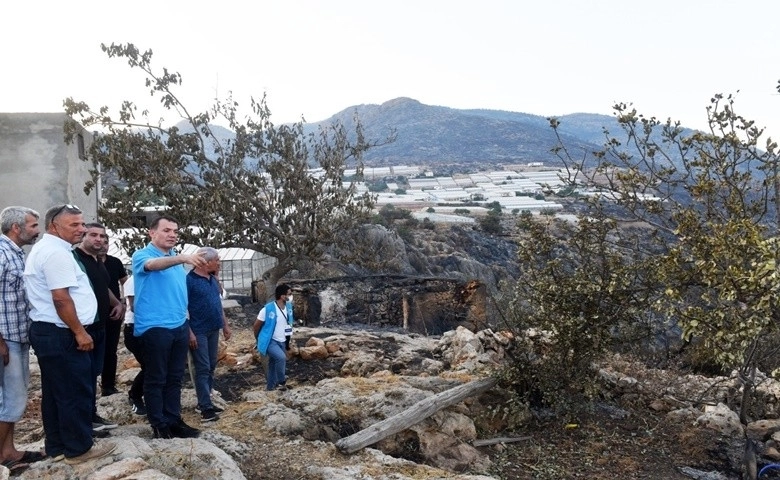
{"x": 405, "y": 232}
{"x": 682, "y": 229}
{"x": 411, "y": 222}
{"x": 461, "y": 211}
{"x": 715, "y": 207}
{"x": 576, "y": 299}
{"x": 377, "y": 186}
{"x": 254, "y": 191}
{"x": 430, "y": 210}
{"x": 491, "y": 223}
{"x": 389, "y": 215}
{"x": 494, "y": 206}
{"x": 400, "y": 191}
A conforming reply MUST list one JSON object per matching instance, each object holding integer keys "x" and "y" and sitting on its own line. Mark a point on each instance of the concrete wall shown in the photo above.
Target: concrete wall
{"x": 38, "y": 169}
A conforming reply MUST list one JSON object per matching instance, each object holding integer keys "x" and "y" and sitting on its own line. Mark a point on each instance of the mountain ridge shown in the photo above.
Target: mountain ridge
{"x": 438, "y": 134}
{"x": 431, "y": 135}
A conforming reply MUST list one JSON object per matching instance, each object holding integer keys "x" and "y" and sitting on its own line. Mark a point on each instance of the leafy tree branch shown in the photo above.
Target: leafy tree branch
{"x": 271, "y": 188}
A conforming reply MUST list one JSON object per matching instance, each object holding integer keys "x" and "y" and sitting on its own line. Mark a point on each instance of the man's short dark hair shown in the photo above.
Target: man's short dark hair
{"x": 156, "y": 222}
{"x": 282, "y": 290}
{"x": 95, "y": 225}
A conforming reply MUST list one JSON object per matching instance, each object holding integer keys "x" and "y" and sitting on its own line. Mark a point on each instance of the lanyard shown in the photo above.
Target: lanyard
{"x": 284, "y": 314}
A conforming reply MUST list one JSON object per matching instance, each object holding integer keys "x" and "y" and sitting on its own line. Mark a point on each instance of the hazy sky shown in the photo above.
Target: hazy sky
{"x": 316, "y": 58}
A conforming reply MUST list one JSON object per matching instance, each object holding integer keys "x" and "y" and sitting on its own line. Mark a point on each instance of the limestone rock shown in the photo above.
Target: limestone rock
{"x": 721, "y": 418}
{"x": 763, "y": 429}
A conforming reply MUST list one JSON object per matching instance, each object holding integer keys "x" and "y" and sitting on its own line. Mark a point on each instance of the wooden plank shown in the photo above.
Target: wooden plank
{"x": 412, "y": 415}
{"x": 493, "y": 441}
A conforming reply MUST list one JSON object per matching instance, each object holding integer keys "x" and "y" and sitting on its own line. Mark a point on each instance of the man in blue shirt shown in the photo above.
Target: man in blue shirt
{"x": 206, "y": 320}
{"x": 161, "y": 325}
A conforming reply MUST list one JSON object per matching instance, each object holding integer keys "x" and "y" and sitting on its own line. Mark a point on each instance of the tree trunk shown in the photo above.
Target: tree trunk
{"x": 412, "y": 415}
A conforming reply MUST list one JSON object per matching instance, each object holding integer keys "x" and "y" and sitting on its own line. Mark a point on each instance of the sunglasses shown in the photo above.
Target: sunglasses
{"x": 68, "y": 207}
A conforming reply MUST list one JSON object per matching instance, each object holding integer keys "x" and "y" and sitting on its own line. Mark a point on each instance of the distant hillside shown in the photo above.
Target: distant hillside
{"x": 433, "y": 134}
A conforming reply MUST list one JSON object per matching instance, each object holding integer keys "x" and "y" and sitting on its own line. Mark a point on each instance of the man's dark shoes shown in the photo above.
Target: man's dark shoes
{"x": 99, "y": 424}
{"x": 162, "y": 432}
{"x": 213, "y": 407}
{"x": 108, "y": 391}
{"x": 138, "y": 407}
{"x": 209, "y": 415}
{"x": 182, "y": 430}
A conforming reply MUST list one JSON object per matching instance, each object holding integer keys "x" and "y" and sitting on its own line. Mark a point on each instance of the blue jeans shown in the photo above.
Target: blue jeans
{"x": 67, "y": 387}
{"x": 277, "y": 362}
{"x": 165, "y": 355}
{"x": 15, "y": 382}
{"x": 204, "y": 359}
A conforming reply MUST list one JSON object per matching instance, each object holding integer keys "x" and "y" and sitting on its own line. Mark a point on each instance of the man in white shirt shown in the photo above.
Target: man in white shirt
{"x": 63, "y": 308}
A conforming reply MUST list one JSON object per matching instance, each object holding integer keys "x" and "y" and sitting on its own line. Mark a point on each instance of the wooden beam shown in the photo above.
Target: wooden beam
{"x": 412, "y": 415}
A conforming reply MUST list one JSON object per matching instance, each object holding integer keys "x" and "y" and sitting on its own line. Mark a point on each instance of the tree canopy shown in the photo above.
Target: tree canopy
{"x": 270, "y": 188}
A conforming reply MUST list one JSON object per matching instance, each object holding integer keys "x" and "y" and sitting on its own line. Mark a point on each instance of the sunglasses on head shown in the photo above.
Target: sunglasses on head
{"x": 67, "y": 206}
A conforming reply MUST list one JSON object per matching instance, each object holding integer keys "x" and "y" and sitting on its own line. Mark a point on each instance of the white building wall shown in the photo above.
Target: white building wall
{"x": 37, "y": 169}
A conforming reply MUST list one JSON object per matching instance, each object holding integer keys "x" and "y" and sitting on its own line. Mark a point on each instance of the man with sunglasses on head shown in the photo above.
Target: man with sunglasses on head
{"x": 161, "y": 324}
{"x": 63, "y": 310}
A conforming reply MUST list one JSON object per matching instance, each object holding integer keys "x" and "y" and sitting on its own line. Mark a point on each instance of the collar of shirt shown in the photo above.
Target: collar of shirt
{"x": 57, "y": 240}
{"x": 16, "y": 248}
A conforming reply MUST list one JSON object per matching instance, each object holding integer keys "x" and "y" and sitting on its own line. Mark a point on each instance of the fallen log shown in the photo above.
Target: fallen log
{"x": 412, "y": 415}
{"x": 493, "y": 441}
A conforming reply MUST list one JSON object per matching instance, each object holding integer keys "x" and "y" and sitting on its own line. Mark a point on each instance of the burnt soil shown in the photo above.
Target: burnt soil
{"x": 594, "y": 443}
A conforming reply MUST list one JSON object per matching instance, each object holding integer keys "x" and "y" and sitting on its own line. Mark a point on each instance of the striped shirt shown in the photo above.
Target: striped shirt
{"x": 14, "y": 308}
